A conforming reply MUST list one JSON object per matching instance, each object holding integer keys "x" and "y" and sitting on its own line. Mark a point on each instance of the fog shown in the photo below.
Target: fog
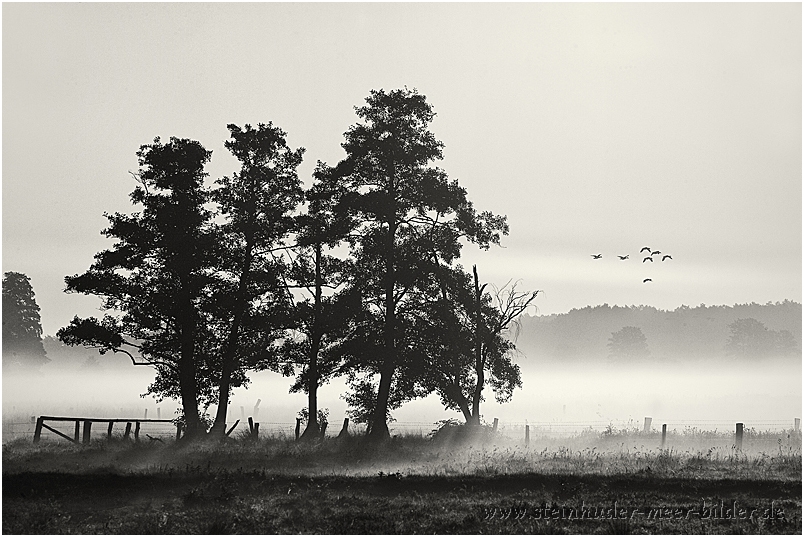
{"x": 557, "y": 398}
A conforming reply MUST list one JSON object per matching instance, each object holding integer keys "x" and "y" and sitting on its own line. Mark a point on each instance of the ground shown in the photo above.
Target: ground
{"x": 409, "y": 485}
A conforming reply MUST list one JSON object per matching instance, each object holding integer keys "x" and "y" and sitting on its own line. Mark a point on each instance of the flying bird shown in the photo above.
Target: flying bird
{"x": 646, "y": 280}
{"x": 597, "y": 256}
{"x": 643, "y": 249}
{"x": 648, "y": 259}
{"x": 623, "y": 257}
{"x": 666, "y": 257}
{"x": 657, "y": 252}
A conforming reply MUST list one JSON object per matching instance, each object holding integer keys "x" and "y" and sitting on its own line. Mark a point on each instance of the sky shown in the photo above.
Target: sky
{"x": 596, "y": 128}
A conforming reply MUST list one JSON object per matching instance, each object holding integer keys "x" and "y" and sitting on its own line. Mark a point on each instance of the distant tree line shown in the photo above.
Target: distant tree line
{"x": 355, "y": 276}
{"x": 645, "y": 333}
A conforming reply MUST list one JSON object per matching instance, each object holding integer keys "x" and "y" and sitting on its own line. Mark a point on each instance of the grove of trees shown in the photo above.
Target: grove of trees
{"x": 355, "y": 276}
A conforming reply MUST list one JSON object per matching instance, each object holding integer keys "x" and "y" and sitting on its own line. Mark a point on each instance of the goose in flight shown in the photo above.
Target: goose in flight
{"x": 666, "y": 257}
{"x": 648, "y": 259}
{"x": 646, "y": 280}
{"x": 597, "y": 256}
{"x": 623, "y": 257}
{"x": 657, "y": 252}
{"x": 643, "y": 249}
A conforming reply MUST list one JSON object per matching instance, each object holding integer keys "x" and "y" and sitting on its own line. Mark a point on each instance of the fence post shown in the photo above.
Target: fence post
{"x": 38, "y": 430}
{"x": 251, "y": 424}
{"x": 494, "y": 427}
{"x": 739, "y": 436}
{"x": 797, "y": 424}
{"x": 232, "y": 428}
{"x": 344, "y": 429}
{"x": 137, "y": 431}
{"x": 77, "y": 431}
{"x": 145, "y": 417}
{"x": 323, "y": 430}
{"x": 158, "y": 413}
{"x": 178, "y": 431}
{"x": 646, "y": 428}
{"x": 256, "y": 432}
{"x": 257, "y": 408}
{"x": 298, "y": 427}
{"x": 664, "y": 434}
{"x": 527, "y": 435}
{"x": 87, "y": 431}
{"x": 109, "y": 430}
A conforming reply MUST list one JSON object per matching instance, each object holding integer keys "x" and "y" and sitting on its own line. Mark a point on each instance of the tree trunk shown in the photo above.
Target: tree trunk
{"x": 379, "y": 423}
{"x": 463, "y": 404}
{"x": 187, "y": 370}
{"x": 313, "y": 430}
{"x": 479, "y": 366}
{"x": 230, "y": 360}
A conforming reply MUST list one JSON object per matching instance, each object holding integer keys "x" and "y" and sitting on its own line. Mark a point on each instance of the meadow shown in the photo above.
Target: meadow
{"x": 448, "y": 482}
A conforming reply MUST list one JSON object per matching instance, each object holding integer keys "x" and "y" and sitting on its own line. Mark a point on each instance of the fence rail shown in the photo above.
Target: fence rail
{"x": 513, "y": 429}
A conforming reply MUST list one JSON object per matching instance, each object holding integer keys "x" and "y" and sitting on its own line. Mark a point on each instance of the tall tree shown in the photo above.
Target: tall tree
{"x": 22, "y": 328}
{"x": 467, "y": 334}
{"x": 329, "y": 307}
{"x": 250, "y": 306}
{"x": 157, "y": 274}
{"x": 400, "y": 203}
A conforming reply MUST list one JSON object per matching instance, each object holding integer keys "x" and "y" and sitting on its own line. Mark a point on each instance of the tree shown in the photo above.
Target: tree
{"x": 22, "y": 329}
{"x": 156, "y": 276}
{"x": 465, "y": 338}
{"x": 750, "y": 338}
{"x": 323, "y": 320}
{"x": 400, "y": 205}
{"x": 249, "y": 305}
{"x": 627, "y": 344}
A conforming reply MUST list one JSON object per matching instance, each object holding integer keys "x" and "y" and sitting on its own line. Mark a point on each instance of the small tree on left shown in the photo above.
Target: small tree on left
{"x": 156, "y": 277}
{"x": 22, "y": 329}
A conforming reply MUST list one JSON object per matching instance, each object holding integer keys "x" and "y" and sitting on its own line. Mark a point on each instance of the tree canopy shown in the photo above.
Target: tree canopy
{"x": 405, "y": 213}
{"x": 22, "y": 328}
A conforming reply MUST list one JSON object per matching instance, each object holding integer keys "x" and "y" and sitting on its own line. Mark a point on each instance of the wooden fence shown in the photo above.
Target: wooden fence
{"x": 508, "y": 429}
{"x": 87, "y": 432}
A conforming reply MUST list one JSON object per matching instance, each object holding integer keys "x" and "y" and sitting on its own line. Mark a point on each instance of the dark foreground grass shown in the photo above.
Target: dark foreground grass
{"x": 408, "y": 486}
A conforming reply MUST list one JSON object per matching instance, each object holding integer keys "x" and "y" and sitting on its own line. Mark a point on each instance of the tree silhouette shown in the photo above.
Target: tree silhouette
{"x": 400, "y": 204}
{"x": 22, "y": 329}
{"x": 750, "y": 338}
{"x": 465, "y": 337}
{"x": 249, "y": 303}
{"x": 627, "y": 344}
{"x": 156, "y": 275}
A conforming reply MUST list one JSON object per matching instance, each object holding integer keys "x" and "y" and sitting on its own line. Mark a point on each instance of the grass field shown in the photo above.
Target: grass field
{"x": 610, "y": 482}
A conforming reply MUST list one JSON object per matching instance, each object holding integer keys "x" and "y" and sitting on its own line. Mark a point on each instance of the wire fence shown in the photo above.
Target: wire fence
{"x": 15, "y": 428}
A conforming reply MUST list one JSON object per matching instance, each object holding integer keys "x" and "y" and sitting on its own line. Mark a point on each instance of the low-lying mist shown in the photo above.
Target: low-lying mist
{"x": 557, "y": 397}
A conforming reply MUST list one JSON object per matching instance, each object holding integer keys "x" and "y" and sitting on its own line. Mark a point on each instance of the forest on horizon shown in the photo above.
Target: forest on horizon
{"x": 690, "y": 334}
{"x": 698, "y": 333}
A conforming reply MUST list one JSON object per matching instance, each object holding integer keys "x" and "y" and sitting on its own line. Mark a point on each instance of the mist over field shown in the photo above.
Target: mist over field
{"x": 710, "y": 394}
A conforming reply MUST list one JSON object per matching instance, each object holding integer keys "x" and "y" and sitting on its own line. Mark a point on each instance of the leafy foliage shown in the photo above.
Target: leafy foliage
{"x": 405, "y": 215}
{"x": 628, "y": 343}
{"x": 22, "y": 328}
{"x": 752, "y": 339}
{"x": 157, "y": 275}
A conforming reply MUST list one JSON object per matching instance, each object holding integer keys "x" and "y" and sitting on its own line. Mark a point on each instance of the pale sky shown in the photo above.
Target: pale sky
{"x": 597, "y": 128}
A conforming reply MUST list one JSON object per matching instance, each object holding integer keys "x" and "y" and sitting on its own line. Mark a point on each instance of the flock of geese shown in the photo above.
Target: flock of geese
{"x": 651, "y": 253}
